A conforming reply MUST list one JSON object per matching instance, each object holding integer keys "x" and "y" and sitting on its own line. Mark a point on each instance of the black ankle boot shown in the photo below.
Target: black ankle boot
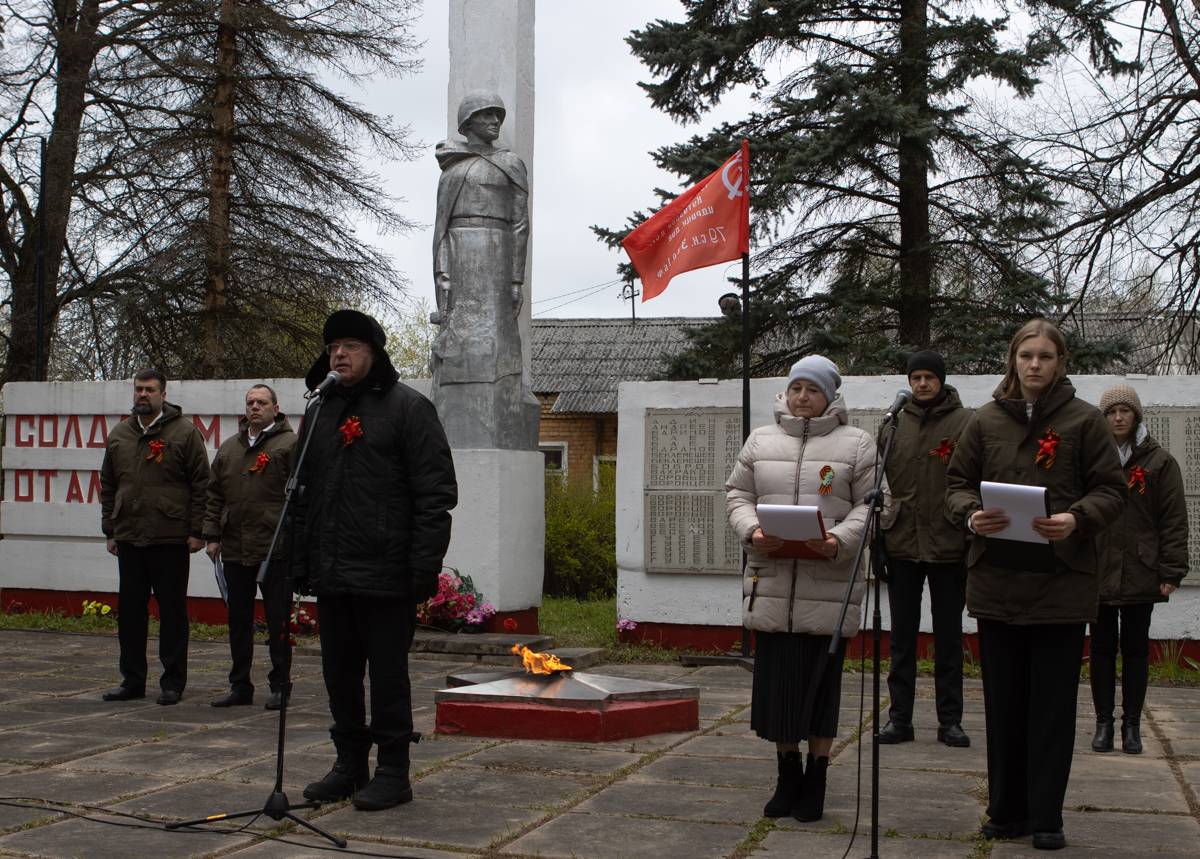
{"x": 811, "y": 804}
{"x": 1102, "y": 741}
{"x": 350, "y": 773}
{"x": 389, "y": 788}
{"x": 787, "y": 786}
{"x": 1131, "y": 736}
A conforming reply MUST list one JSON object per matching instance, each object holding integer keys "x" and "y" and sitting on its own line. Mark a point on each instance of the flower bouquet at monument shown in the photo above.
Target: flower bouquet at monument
{"x": 457, "y": 606}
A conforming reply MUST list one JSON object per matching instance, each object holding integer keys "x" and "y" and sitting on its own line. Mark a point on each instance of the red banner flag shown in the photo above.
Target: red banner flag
{"x": 707, "y": 224}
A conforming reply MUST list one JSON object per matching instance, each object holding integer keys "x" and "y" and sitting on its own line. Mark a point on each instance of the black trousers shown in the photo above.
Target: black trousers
{"x": 361, "y": 633}
{"x": 163, "y": 572}
{"x": 1134, "y": 626}
{"x": 947, "y": 595}
{"x": 1030, "y": 690}
{"x": 277, "y": 601}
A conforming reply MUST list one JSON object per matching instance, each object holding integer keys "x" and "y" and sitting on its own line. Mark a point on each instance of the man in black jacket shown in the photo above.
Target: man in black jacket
{"x": 377, "y": 487}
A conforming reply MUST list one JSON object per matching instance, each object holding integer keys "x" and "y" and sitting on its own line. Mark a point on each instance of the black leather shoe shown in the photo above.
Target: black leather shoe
{"x": 123, "y": 693}
{"x": 348, "y": 775}
{"x": 1131, "y": 737}
{"x": 1102, "y": 740}
{"x": 953, "y": 735}
{"x": 275, "y": 702}
{"x": 1049, "y": 840}
{"x": 994, "y": 831}
{"x": 168, "y": 697}
{"x": 234, "y": 699}
{"x": 894, "y": 733}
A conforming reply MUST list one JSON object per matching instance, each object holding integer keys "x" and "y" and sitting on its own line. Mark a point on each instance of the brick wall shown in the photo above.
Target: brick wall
{"x": 586, "y": 436}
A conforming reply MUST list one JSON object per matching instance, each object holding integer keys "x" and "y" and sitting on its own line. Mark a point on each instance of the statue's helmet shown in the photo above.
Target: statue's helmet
{"x": 473, "y": 102}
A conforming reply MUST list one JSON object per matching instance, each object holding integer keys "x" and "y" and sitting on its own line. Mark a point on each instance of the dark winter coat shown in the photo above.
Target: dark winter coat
{"x": 152, "y": 483}
{"x": 1148, "y": 545}
{"x": 916, "y": 527}
{"x": 374, "y": 511}
{"x": 245, "y": 492}
{"x": 1001, "y": 444}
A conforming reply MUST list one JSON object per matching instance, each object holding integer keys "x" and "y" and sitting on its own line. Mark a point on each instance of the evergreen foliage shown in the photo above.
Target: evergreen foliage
{"x": 889, "y": 213}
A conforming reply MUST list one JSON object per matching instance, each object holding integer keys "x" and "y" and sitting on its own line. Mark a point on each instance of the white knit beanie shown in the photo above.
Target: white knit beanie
{"x": 820, "y": 371}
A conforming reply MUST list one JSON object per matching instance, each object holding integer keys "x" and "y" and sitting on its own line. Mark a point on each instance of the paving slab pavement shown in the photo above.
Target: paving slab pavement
{"x": 130, "y": 767}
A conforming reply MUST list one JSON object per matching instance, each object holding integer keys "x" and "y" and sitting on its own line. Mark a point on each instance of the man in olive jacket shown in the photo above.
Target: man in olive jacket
{"x": 922, "y": 543}
{"x": 245, "y": 498}
{"x": 152, "y": 486}
{"x": 373, "y": 525}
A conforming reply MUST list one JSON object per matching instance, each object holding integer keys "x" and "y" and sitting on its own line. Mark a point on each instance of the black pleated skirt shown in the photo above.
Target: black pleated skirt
{"x": 797, "y": 689}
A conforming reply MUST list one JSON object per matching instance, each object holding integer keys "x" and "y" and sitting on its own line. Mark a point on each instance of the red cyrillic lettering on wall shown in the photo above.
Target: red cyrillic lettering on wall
{"x": 25, "y": 494}
{"x": 94, "y": 487}
{"x": 74, "y": 490}
{"x": 99, "y": 422}
{"x": 23, "y": 440}
{"x": 72, "y": 424}
{"x": 46, "y": 474}
{"x": 211, "y": 433}
{"x": 48, "y": 422}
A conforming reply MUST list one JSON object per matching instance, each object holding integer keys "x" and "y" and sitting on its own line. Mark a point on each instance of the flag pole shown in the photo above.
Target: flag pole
{"x": 745, "y": 400}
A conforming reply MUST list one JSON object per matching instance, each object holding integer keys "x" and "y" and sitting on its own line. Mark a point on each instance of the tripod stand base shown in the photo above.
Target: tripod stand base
{"x": 277, "y": 807}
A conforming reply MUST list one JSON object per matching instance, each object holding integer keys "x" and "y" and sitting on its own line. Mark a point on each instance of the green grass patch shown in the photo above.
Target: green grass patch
{"x": 94, "y": 624}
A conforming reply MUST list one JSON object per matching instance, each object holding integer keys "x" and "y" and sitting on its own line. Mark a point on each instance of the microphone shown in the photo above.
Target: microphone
{"x": 902, "y": 398}
{"x": 328, "y": 382}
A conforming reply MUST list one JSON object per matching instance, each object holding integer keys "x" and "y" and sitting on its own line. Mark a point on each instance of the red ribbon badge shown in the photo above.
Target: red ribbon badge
{"x": 157, "y": 446}
{"x": 351, "y": 430}
{"x": 826, "y": 475}
{"x": 1047, "y": 445}
{"x": 944, "y": 450}
{"x": 1137, "y": 479}
{"x": 260, "y": 462}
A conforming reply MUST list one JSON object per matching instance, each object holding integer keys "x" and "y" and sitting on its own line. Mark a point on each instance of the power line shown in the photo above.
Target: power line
{"x": 576, "y": 291}
{"x": 592, "y": 292}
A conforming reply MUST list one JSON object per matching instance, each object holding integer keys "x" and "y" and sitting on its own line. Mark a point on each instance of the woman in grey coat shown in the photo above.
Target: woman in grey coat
{"x": 809, "y": 456}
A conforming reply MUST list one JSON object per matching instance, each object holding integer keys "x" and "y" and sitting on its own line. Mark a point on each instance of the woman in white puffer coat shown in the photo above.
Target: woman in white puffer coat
{"x": 811, "y": 456}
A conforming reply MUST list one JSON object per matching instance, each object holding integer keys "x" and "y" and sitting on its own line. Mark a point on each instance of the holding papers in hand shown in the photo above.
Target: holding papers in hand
{"x": 793, "y": 524}
{"x": 1018, "y": 546}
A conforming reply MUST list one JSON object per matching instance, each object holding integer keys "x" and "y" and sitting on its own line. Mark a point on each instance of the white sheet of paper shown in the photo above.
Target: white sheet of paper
{"x": 790, "y": 521}
{"x": 1021, "y": 503}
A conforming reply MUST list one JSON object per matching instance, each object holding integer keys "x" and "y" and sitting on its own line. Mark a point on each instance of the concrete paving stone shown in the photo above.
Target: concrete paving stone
{"x": 55, "y": 684}
{"x": 948, "y": 817}
{"x": 426, "y": 821}
{"x": 679, "y": 802}
{"x": 642, "y": 745}
{"x": 1182, "y": 747}
{"x": 601, "y": 836}
{"x": 82, "y": 705}
{"x": 1181, "y": 696}
{"x": 43, "y": 745}
{"x": 1123, "y": 781}
{"x": 723, "y": 745}
{"x": 723, "y": 772}
{"x": 1177, "y": 716}
{"x": 813, "y": 845}
{"x": 1191, "y": 774}
{"x": 713, "y": 710}
{"x": 552, "y": 757}
{"x": 154, "y": 757}
{"x": 299, "y": 769}
{"x": 19, "y": 717}
{"x": 65, "y": 783}
{"x": 1124, "y": 835}
{"x": 201, "y": 798}
{"x": 468, "y": 786}
{"x": 128, "y": 838}
{"x": 296, "y": 846}
{"x": 13, "y": 817}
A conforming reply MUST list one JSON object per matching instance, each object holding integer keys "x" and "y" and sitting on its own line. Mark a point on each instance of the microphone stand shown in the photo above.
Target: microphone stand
{"x": 873, "y": 534}
{"x": 277, "y": 806}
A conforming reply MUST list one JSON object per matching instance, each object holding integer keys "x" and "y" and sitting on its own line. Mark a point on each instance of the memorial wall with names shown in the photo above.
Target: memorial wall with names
{"x": 691, "y": 451}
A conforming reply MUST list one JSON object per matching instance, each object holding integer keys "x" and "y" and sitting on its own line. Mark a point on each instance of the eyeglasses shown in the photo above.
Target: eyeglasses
{"x": 347, "y": 346}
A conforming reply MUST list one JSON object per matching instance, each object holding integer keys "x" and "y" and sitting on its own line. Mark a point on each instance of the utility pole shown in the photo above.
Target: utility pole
{"x": 630, "y": 293}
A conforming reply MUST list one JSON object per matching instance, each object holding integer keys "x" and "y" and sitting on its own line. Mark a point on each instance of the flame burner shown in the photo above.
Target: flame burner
{"x": 563, "y": 706}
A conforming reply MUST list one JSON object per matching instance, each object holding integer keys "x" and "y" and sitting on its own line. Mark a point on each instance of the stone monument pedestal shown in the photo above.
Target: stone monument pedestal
{"x": 499, "y": 532}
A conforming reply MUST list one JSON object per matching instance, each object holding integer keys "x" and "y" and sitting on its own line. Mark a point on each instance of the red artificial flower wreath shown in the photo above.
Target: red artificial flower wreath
{"x": 1047, "y": 446}
{"x": 944, "y": 450}
{"x": 1137, "y": 479}
{"x": 157, "y": 446}
{"x": 260, "y": 462}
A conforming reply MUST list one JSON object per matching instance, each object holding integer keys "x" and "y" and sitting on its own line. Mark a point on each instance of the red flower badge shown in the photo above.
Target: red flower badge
{"x": 157, "y": 446}
{"x": 1137, "y": 479}
{"x": 826, "y": 475}
{"x": 1047, "y": 446}
{"x": 351, "y": 430}
{"x": 260, "y": 462}
{"x": 510, "y": 624}
{"x": 944, "y": 450}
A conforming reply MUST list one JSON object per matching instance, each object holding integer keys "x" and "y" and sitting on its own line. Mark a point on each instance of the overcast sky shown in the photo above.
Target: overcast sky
{"x": 594, "y": 129}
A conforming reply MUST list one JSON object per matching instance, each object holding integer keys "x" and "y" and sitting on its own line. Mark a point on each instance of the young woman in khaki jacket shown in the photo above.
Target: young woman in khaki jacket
{"x": 809, "y": 456}
{"x": 1145, "y": 557}
{"x": 1032, "y": 611}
